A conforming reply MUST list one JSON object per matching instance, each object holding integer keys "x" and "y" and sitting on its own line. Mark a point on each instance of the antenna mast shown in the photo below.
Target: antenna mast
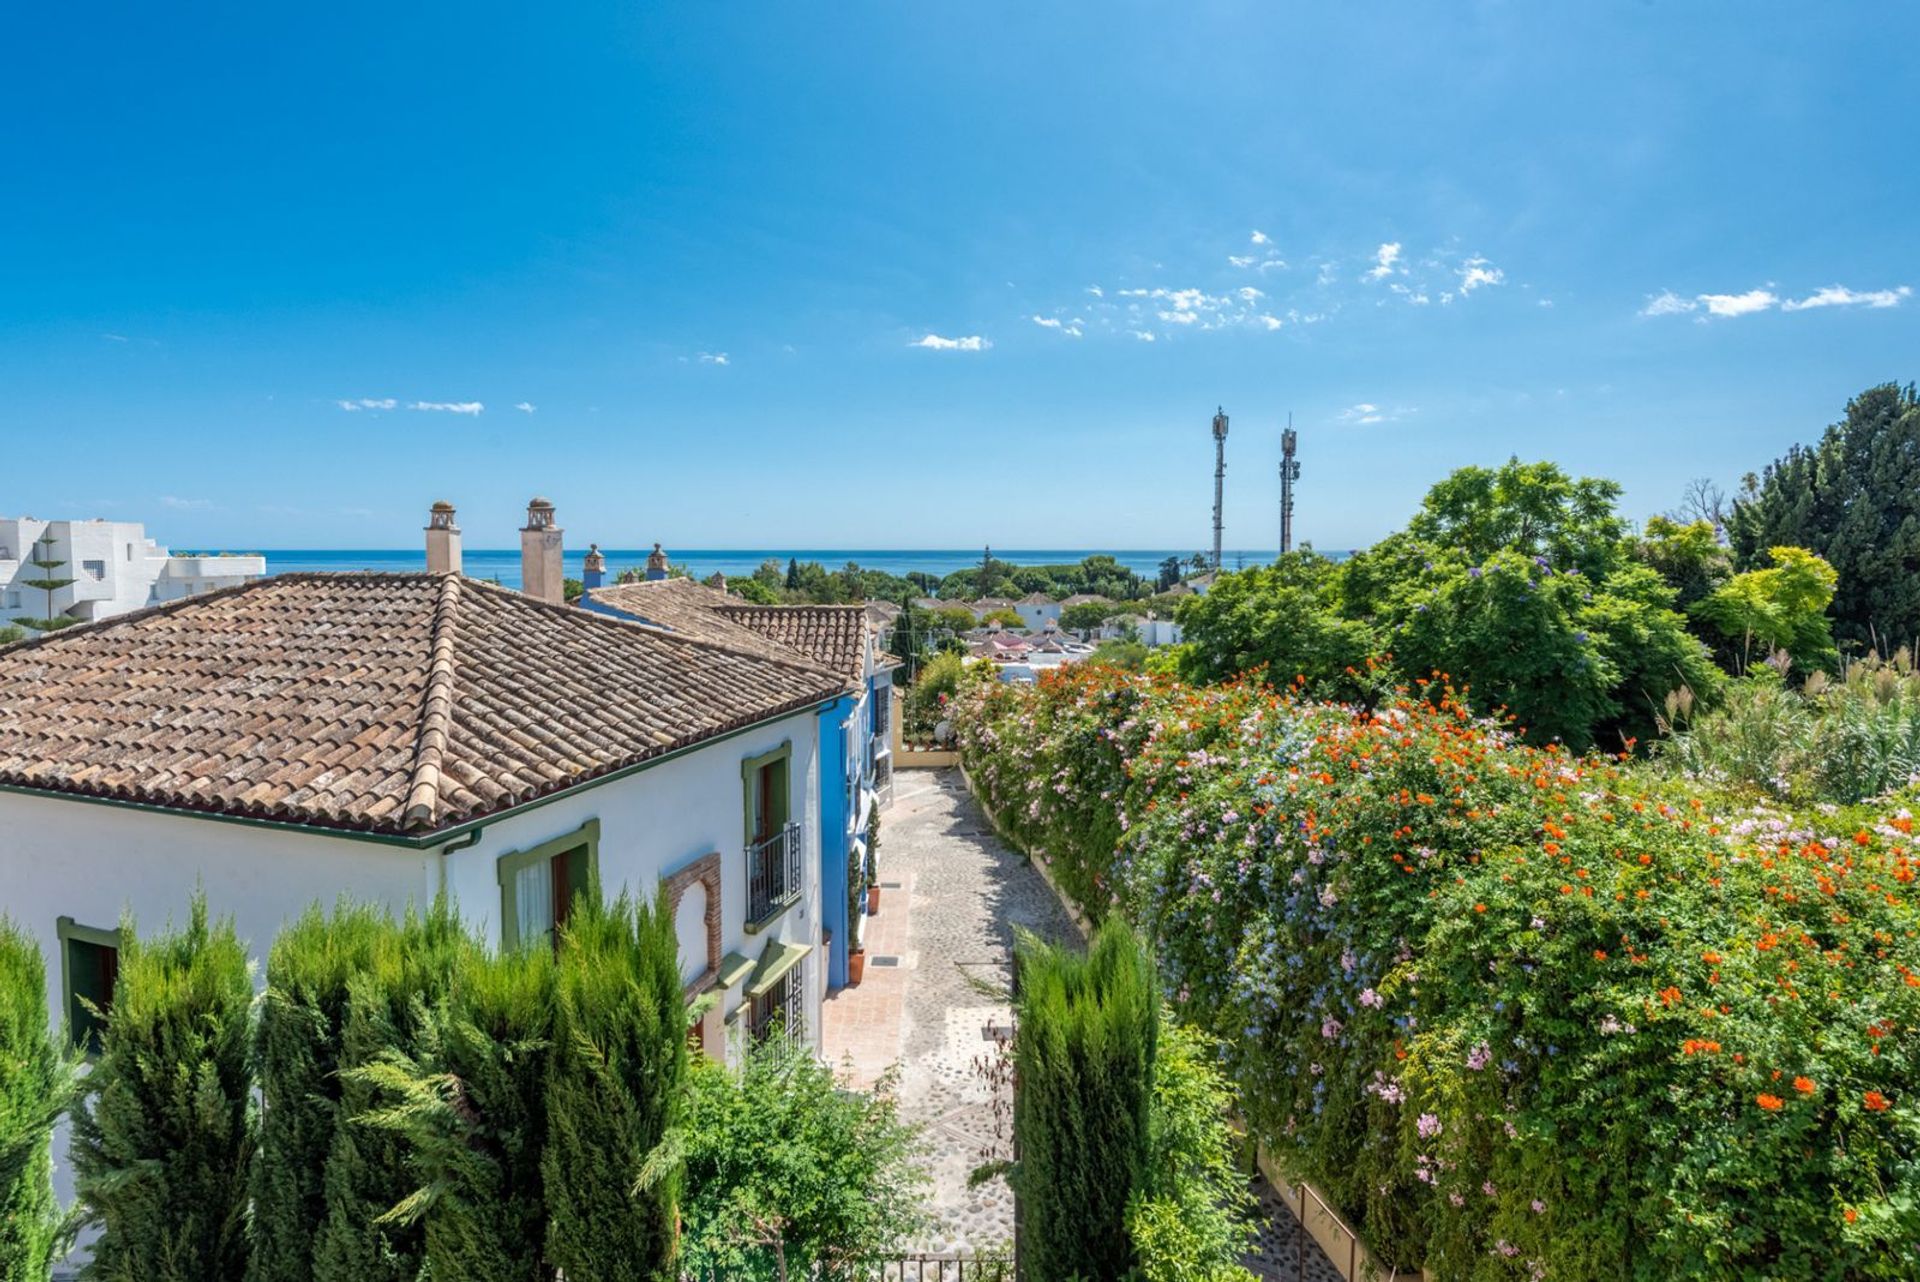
{"x": 1289, "y": 473}
{"x": 1219, "y": 476}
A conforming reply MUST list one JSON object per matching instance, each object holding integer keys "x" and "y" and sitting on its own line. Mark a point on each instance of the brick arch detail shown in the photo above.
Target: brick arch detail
{"x": 704, "y": 872}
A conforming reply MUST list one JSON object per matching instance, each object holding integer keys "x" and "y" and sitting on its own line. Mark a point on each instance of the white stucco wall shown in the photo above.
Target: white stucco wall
{"x": 62, "y": 857}
{"x": 116, "y": 568}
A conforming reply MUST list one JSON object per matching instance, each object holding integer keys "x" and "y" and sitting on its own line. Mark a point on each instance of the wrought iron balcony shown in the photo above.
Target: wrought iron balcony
{"x": 773, "y": 874}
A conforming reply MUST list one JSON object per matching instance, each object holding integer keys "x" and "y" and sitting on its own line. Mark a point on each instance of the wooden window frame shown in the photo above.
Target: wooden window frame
{"x": 71, "y": 932}
{"x": 509, "y": 865}
{"x": 749, "y": 771}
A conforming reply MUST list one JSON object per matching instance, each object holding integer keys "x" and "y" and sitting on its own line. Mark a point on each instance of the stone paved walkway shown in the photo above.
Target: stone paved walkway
{"x": 932, "y": 1003}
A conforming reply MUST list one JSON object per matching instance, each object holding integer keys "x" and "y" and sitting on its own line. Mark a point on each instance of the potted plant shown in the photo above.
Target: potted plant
{"x": 856, "y": 952}
{"x": 873, "y": 866}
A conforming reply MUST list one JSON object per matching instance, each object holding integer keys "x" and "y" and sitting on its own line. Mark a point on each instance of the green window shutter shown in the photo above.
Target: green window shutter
{"x": 89, "y": 971}
{"x": 765, "y": 782}
{"x": 537, "y": 885}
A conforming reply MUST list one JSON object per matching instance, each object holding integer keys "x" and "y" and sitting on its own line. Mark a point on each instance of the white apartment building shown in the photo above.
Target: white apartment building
{"x": 114, "y": 566}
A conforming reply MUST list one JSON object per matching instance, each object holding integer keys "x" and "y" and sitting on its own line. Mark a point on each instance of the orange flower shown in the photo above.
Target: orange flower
{"x": 1804, "y": 1085}
{"x": 1479, "y": 908}
{"x": 1670, "y": 995}
{"x": 1772, "y": 1103}
{"x": 1852, "y": 1215}
{"x": 1875, "y": 1102}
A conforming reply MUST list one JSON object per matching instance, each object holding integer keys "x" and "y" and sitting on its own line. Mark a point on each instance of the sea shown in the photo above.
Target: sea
{"x": 503, "y": 565}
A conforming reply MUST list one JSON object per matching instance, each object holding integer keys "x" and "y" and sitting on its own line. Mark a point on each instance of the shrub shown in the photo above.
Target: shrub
{"x": 469, "y": 1109}
{"x": 36, "y": 1084}
{"x": 1084, "y": 1074}
{"x": 614, "y": 1092}
{"x": 1515, "y": 1009}
{"x": 296, "y": 1055}
{"x": 789, "y": 1176}
{"x": 165, "y": 1133}
{"x": 367, "y": 1172}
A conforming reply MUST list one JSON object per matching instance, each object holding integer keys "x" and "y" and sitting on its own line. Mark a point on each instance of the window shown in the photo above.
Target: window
{"x": 773, "y": 840}
{"x": 95, "y": 570}
{"x": 9, "y": 600}
{"x": 538, "y": 886}
{"x": 89, "y": 970}
{"x": 778, "y": 1008}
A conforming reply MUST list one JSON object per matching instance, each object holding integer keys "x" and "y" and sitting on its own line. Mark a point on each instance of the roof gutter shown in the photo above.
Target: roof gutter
{"x": 439, "y": 836}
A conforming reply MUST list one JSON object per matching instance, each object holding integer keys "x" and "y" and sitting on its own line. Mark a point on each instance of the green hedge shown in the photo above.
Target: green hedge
{"x": 36, "y": 1084}
{"x": 1518, "y": 1011}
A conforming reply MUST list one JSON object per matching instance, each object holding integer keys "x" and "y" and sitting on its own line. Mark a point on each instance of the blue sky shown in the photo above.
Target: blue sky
{"x": 928, "y": 275}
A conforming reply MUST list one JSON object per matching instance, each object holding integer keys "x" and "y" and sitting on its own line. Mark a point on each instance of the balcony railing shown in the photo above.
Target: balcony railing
{"x": 773, "y": 874}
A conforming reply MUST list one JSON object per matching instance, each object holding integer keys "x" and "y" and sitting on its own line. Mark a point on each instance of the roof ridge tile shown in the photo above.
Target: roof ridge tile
{"x": 436, "y": 719}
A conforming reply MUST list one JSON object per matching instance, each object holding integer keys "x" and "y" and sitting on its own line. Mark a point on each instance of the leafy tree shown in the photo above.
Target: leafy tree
{"x": 165, "y": 1133}
{"x": 790, "y": 1176}
{"x": 1169, "y": 574}
{"x": 1783, "y": 607}
{"x": 1688, "y": 556}
{"x": 1086, "y": 616}
{"x": 1120, "y": 652}
{"x": 755, "y": 590}
{"x": 37, "y": 1082}
{"x": 1534, "y": 509}
{"x": 615, "y": 1093}
{"x": 1284, "y": 617}
{"x": 571, "y": 590}
{"x": 910, "y": 641}
{"x": 1632, "y": 622}
{"x": 1190, "y": 1218}
{"x": 955, "y": 619}
{"x": 1004, "y": 617}
{"x": 1852, "y": 499}
{"x": 48, "y": 581}
{"x": 10, "y": 634}
{"x": 1084, "y": 1059}
{"x": 793, "y": 574}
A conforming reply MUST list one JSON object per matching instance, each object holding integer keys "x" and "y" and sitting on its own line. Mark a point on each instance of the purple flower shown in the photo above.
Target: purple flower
{"x": 1428, "y": 1125}
{"x": 1479, "y": 1057}
{"x": 1370, "y": 998}
{"x": 1330, "y": 1028}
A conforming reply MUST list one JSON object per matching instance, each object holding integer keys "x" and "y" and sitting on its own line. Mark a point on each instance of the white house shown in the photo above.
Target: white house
{"x": 393, "y": 737}
{"x": 856, "y": 742}
{"x": 114, "y": 566}
{"x": 1037, "y": 610}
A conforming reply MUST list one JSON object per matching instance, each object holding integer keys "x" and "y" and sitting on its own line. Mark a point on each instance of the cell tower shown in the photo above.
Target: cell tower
{"x": 1289, "y": 473}
{"x": 1219, "y": 476}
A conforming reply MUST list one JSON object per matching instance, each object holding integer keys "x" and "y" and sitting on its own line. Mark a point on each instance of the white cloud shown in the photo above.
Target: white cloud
{"x": 713, "y": 358}
{"x": 1367, "y": 413}
{"x": 115, "y": 338}
{"x": 1477, "y": 271}
{"x": 1241, "y": 260}
{"x": 1668, "y": 303}
{"x": 525, "y": 407}
{"x": 1271, "y": 322}
{"x": 1261, "y": 238}
{"x": 173, "y": 501}
{"x": 1096, "y": 291}
{"x": 1754, "y": 300}
{"x": 1070, "y": 329}
{"x": 970, "y": 343}
{"x": 1386, "y": 261}
{"x": 448, "y": 407}
{"x": 1841, "y": 296}
{"x": 368, "y": 403}
{"x": 1144, "y": 335}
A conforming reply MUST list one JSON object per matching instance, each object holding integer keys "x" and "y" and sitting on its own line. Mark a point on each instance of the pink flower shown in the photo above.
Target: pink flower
{"x": 1428, "y": 1126}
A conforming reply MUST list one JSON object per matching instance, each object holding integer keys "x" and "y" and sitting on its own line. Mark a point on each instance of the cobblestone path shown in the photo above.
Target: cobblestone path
{"x": 932, "y": 1003}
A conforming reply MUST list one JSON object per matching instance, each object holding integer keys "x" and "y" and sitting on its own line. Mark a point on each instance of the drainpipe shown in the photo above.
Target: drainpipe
{"x": 467, "y": 842}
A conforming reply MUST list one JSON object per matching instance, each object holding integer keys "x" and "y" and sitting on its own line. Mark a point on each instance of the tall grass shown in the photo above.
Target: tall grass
{"x": 1838, "y": 741}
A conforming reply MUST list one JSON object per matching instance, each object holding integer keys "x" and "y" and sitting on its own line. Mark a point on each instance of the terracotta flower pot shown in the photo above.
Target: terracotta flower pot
{"x": 873, "y": 900}
{"x": 856, "y": 966}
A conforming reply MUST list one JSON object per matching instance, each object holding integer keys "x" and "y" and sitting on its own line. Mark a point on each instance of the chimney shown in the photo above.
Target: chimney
{"x": 656, "y": 563}
{"x": 443, "y": 540}
{"x": 540, "y": 574}
{"x": 595, "y": 572}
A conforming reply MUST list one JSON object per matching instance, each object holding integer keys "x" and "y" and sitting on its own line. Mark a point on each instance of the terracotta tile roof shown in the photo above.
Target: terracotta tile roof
{"x": 833, "y": 636}
{"x": 392, "y": 703}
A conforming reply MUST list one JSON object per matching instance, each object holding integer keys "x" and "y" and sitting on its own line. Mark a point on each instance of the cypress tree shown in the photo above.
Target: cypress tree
{"x": 164, "y": 1135}
{"x": 470, "y": 1111}
{"x": 614, "y": 1092}
{"x": 297, "y": 1041}
{"x": 366, "y": 1168}
{"x": 1088, "y": 1028}
{"x": 48, "y": 582}
{"x": 36, "y": 1085}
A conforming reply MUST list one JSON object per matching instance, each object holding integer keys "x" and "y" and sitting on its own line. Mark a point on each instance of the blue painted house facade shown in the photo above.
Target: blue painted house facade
{"x": 854, "y": 732}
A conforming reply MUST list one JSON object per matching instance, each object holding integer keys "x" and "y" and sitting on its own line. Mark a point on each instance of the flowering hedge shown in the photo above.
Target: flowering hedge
{"x": 1522, "y": 1013}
